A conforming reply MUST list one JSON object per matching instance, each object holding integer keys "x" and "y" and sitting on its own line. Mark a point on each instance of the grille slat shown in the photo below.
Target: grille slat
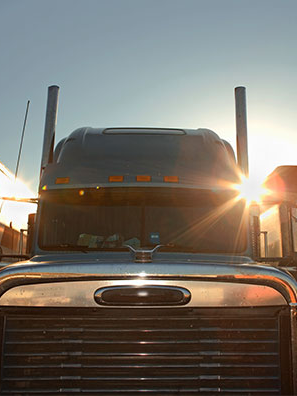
{"x": 147, "y": 383}
{"x": 161, "y": 391}
{"x": 132, "y": 351}
{"x": 158, "y": 373}
{"x": 41, "y": 335}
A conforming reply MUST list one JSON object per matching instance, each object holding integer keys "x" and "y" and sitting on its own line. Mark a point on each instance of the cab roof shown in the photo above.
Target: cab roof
{"x": 89, "y": 156}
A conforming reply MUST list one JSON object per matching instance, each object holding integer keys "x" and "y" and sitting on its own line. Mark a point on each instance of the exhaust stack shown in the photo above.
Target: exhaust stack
{"x": 50, "y": 127}
{"x": 241, "y": 130}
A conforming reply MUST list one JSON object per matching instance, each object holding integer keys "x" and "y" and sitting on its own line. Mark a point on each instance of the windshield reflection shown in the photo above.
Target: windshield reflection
{"x": 108, "y": 219}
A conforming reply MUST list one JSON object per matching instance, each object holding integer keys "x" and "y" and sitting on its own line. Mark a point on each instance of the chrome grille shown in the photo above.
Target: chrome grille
{"x": 155, "y": 351}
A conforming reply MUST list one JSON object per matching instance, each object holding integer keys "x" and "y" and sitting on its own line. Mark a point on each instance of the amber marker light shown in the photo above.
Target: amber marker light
{"x": 170, "y": 179}
{"x": 116, "y": 178}
{"x": 62, "y": 180}
{"x": 143, "y": 178}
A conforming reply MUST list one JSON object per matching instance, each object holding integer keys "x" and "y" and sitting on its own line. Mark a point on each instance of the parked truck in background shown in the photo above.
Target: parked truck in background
{"x": 12, "y": 236}
{"x": 12, "y": 242}
{"x": 148, "y": 273}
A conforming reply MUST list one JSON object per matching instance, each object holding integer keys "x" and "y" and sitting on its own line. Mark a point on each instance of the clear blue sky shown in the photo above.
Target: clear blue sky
{"x": 163, "y": 63}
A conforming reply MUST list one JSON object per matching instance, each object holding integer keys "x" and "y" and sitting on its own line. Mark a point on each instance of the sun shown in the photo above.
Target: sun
{"x": 251, "y": 189}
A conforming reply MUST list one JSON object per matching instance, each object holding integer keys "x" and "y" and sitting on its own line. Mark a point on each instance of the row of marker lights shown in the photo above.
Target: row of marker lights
{"x": 120, "y": 178}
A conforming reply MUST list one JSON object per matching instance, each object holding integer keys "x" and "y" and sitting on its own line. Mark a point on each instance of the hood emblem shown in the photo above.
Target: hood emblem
{"x": 143, "y": 255}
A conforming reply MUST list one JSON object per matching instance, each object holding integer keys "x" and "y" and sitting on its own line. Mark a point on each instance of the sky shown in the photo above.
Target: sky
{"x": 164, "y": 63}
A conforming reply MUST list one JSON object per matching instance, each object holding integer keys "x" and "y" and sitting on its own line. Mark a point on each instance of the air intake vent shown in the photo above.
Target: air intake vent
{"x": 153, "y": 351}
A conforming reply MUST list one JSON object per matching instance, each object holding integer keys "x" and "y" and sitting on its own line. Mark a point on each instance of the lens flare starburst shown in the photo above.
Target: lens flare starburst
{"x": 251, "y": 189}
{"x": 15, "y": 213}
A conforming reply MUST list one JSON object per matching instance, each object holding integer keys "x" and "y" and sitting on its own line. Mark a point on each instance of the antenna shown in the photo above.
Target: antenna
{"x": 22, "y": 138}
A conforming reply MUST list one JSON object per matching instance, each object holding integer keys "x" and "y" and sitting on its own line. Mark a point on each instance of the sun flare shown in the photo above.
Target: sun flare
{"x": 251, "y": 189}
{"x": 15, "y": 213}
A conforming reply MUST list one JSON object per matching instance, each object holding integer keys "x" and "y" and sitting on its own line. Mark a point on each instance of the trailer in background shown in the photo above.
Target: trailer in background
{"x": 12, "y": 241}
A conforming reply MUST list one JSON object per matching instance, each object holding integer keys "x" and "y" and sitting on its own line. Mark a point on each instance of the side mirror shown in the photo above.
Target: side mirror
{"x": 255, "y": 236}
{"x": 31, "y": 231}
{"x": 268, "y": 232}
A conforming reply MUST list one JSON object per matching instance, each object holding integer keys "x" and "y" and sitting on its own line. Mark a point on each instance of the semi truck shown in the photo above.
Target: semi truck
{"x": 148, "y": 273}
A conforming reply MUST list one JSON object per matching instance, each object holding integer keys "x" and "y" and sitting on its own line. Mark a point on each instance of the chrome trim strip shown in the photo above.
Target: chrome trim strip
{"x": 81, "y": 293}
{"x": 103, "y": 184}
{"x": 293, "y": 314}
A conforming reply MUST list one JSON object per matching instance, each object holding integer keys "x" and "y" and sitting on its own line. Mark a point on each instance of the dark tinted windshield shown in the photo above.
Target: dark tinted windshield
{"x": 185, "y": 220}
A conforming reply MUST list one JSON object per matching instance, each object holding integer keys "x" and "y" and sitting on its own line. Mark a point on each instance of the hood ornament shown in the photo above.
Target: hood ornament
{"x": 143, "y": 255}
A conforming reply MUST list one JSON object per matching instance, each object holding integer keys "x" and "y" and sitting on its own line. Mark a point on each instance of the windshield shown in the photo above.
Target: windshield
{"x": 109, "y": 218}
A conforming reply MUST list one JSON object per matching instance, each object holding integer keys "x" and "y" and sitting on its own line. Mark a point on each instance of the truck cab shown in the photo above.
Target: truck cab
{"x": 109, "y": 189}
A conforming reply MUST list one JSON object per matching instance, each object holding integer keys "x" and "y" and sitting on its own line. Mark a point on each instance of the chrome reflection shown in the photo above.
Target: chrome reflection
{"x": 80, "y": 293}
{"x": 145, "y": 295}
